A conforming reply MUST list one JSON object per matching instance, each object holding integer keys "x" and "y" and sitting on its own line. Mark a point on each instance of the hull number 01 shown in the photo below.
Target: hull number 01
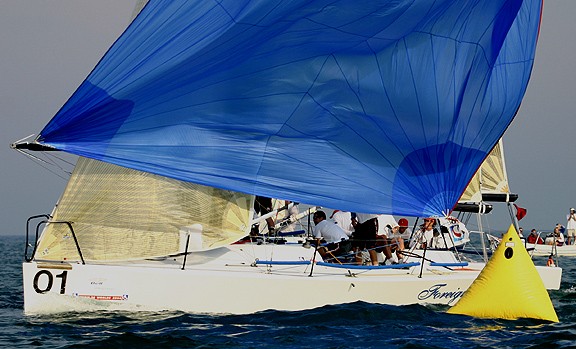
{"x": 47, "y": 285}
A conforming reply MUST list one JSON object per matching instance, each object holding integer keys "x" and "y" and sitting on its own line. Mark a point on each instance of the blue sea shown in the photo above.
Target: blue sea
{"x": 357, "y": 325}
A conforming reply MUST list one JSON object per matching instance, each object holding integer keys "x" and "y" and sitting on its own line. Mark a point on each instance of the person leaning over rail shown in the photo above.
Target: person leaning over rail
{"x": 386, "y": 242}
{"x": 397, "y": 239}
{"x": 335, "y": 237}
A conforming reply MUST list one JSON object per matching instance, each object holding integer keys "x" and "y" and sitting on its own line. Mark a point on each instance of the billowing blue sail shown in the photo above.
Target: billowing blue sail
{"x": 371, "y": 106}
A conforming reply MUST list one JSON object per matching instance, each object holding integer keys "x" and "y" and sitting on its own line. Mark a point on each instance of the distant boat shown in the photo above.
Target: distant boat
{"x": 549, "y": 247}
{"x": 376, "y": 107}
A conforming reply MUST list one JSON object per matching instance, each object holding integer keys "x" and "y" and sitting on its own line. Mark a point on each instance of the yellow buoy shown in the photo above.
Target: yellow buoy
{"x": 509, "y": 286}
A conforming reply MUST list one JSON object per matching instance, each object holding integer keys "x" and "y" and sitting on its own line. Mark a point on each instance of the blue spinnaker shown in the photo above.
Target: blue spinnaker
{"x": 367, "y": 106}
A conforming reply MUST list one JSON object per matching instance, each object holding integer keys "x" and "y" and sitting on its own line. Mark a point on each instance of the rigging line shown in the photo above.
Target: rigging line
{"x": 62, "y": 159}
{"x": 54, "y": 160}
{"x": 32, "y": 157}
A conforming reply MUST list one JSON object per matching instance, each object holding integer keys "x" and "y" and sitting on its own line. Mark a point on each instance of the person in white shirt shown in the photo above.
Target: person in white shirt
{"x": 344, "y": 220}
{"x": 571, "y": 226}
{"x": 337, "y": 240}
{"x": 556, "y": 237}
{"x": 286, "y": 216}
{"x": 397, "y": 237}
{"x": 385, "y": 224}
{"x": 404, "y": 231}
{"x": 387, "y": 242}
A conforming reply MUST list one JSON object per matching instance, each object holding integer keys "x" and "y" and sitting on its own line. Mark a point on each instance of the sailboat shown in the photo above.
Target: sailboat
{"x": 198, "y": 106}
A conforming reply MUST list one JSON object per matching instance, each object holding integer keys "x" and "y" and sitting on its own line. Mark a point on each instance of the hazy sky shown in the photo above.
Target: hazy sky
{"x": 49, "y": 47}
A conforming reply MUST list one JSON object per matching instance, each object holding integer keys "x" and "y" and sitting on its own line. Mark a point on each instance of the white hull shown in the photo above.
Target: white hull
{"x": 227, "y": 283}
{"x": 546, "y": 250}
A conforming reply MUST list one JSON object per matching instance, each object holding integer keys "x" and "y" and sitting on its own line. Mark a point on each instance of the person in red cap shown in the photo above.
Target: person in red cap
{"x": 399, "y": 232}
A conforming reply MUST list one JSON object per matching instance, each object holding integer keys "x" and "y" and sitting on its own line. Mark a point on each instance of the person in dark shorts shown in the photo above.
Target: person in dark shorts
{"x": 262, "y": 206}
{"x": 364, "y": 237}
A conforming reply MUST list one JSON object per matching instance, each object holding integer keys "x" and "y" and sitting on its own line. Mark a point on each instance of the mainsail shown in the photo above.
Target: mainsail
{"x": 381, "y": 106}
{"x": 491, "y": 178}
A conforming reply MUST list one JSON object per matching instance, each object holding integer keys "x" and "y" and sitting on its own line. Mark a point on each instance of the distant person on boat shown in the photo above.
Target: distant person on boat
{"x": 533, "y": 238}
{"x": 520, "y": 233}
{"x": 337, "y": 241}
{"x": 427, "y": 236}
{"x": 571, "y": 226}
{"x": 555, "y": 237}
{"x": 344, "y": 220}
{"x": 550, "y": 262}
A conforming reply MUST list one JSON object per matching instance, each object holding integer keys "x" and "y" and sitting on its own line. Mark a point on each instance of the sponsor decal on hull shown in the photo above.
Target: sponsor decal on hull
{"x": 102, "y": 297}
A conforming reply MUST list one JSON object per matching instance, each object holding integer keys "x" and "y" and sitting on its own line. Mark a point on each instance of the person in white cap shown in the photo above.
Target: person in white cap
{"x": 571, "y": 226}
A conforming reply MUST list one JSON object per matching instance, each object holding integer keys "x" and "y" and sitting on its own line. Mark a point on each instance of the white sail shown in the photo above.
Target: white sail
{"x": 491, "y": 177}
{"x": 123, "y": 214}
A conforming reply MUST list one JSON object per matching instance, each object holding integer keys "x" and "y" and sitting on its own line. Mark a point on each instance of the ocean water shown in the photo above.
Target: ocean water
{"x": 357, "y": 325}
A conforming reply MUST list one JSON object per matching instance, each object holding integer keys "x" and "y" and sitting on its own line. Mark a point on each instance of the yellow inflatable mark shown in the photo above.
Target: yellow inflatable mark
{"x": 509, "y": 287}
